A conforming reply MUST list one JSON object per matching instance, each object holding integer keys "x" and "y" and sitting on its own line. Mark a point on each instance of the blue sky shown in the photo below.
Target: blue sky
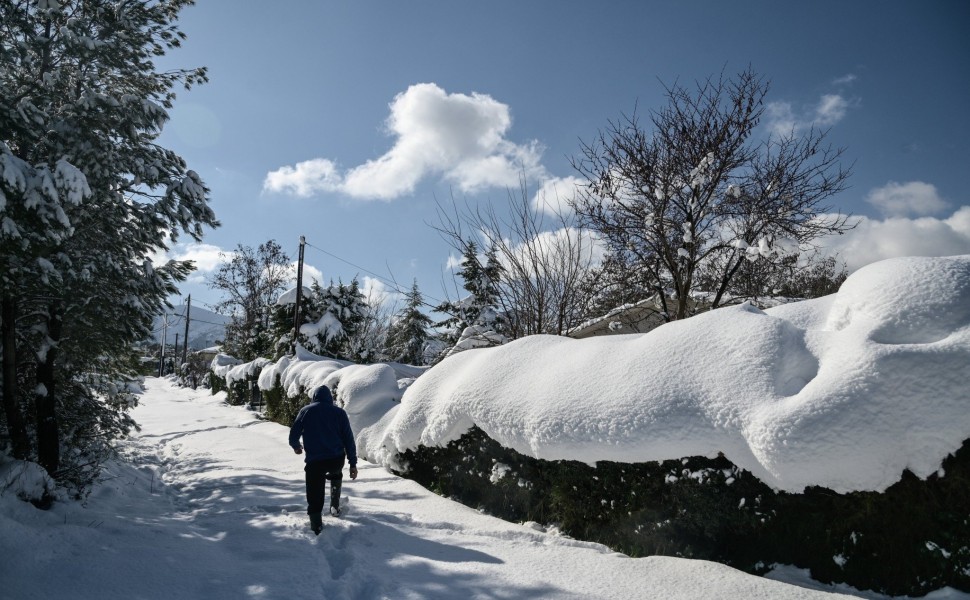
{"x": 344, "y": 121}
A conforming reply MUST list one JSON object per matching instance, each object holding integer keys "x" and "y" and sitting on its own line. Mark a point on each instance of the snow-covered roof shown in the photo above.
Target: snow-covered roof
{"x": 644, "y": 315}
{"x": 845, "y": 391}
{"x": 289, "y": 296}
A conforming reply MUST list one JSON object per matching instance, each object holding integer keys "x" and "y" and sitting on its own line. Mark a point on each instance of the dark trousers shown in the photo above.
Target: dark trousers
{"x": 317, "y": 474}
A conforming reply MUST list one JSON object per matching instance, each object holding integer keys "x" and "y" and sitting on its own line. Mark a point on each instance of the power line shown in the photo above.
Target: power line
{"x": 194, "y": 320}
{"x": 179, "y": 317}
{"x": 394, "y": 285}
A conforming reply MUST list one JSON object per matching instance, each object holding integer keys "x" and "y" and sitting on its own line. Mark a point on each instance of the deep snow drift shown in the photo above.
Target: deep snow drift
{"x": 209, "y": 504}
{"x": 844, "y": 392}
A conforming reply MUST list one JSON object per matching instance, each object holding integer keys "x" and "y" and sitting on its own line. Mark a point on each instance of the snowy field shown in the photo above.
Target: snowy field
{"x": 209, "y": 504}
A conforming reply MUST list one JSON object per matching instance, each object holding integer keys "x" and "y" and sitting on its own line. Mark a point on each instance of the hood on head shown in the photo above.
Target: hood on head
{"x": 323, "y": 395}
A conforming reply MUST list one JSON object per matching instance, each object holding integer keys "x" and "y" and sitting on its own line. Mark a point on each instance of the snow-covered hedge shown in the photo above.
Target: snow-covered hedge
{"x": 908, "y": 540}
{"x": 845, "y": 413}
{"x": 366, "y": 392}
{"x": 845, "y": 392}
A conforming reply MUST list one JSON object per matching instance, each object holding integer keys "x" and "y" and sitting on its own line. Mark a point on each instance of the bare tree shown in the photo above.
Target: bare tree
{"x": 700, "y": 191}
{"x": 545, "y": 261}
{"x": 366, "y": 343}
{"x": 250, "y": 281}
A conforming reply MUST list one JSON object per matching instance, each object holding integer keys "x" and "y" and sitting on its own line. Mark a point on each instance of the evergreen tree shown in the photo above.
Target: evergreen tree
{"x": 331, "y": 319}
{"x": 477, "y": 315}
{"x": 86, "y": 196}
{"x": 462, "y": 312}
{"x": 409, "y": 334}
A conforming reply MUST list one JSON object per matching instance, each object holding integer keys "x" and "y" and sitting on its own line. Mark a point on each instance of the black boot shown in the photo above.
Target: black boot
{"x": 316, "y": 523}
{"x": 335, "y": 498}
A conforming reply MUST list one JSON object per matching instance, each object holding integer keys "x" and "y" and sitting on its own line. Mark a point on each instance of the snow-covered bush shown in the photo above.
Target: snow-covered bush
{"x": 846, "y": 414}
{"x": 193, "y": 372}
{"x": 27, "y": 481}
{"x": 813, "y": 393}
{"x": 908, "y": 540}
{"x": 367, "y": 392}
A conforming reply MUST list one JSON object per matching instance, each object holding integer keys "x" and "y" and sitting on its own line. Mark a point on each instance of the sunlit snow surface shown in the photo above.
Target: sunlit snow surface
{"x": 845, "y": 391}
{"x": 208, "y": 503}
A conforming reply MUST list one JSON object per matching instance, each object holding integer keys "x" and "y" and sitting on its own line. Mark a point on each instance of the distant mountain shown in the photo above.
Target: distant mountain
{"x": 206, "y": 328}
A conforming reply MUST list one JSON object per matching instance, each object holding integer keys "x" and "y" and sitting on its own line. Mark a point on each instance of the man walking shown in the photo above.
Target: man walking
{"x": 328, "y": 438}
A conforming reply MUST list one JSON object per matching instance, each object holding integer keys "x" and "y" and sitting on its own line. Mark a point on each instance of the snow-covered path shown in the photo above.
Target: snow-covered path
{"x": 209, "y": 504}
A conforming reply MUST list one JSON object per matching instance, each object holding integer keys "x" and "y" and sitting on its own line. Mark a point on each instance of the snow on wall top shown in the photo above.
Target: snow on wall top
{"x": 289, "y": 296}
{"x": 843, "y": 392}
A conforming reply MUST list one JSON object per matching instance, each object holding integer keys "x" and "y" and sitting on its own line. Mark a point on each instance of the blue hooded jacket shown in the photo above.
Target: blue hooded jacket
{"x": 325, "y": 429}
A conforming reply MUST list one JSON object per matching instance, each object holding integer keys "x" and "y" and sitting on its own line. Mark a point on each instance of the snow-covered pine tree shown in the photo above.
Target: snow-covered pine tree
{"x": 86, "y": 196}
{"x": 409, "y": 334}
{"x": 475, "y": 320}
{"x": 462, "y": 313}
{"x": 331, "y": 318}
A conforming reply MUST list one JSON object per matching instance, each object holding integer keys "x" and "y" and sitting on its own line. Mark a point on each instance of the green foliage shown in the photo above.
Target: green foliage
{"x": 88, "y": 195}
{"x": 409, "y": 335}
{"x": 280, "y": 408}
{"x": 909, "y": 540}
{"x": 337, "y": 313}
{"x": 217, "y": 384}
{"x": 481, "y": 306}
{"x": 237, "y": 392}
{"x": 193, "y": 372}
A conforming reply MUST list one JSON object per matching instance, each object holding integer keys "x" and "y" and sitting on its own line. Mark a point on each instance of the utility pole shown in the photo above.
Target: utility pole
{"x": 185, "y": 350}
{"x": 161, "y": 350}
{"x": 175, "y": 354}
{"x": 299, "y": 294}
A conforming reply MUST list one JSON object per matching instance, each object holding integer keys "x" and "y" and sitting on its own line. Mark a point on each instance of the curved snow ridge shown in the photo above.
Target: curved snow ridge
{"x": 302, "y": 374}
{"x": 843, "y": 392}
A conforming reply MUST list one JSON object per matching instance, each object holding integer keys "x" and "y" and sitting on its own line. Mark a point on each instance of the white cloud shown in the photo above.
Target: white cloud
{"x": 377, "y": 292}
{"x": 557, "y": 245}
{"x": 782, "y": 119}
{"x": 554, "y": 194}
{"x": 305, "y": 179}
{"x": 845, "y": 79}
{"x": 873, "y": 240}
{"x": 830, "y": 110}
{"x": 205, "y": 256}
{"x": 310, "y": 274}
{"x": 458, "y": 137}
{"x": 454, "y": 262}
{"x": 914, "y": 198}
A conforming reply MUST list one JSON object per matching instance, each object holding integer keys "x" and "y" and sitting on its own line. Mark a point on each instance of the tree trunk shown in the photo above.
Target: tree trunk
{"x": 48, "y": 438}
{"x": 11, "y": 404}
